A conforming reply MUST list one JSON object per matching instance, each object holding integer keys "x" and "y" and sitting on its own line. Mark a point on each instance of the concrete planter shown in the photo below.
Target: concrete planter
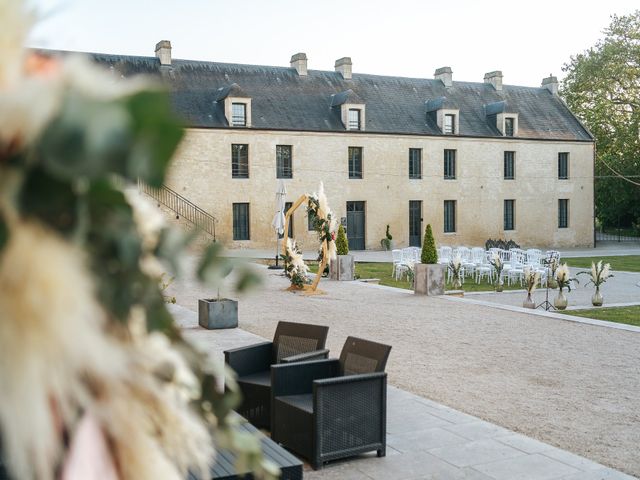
{"x": 342, "y": 268}
{"x": 429, "y": 279}
{"x": 214, "y": 313}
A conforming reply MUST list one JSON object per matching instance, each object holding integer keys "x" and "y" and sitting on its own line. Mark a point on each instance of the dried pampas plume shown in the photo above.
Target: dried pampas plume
{"x": 51, "y": 338}
{"x": 57, "y": 362}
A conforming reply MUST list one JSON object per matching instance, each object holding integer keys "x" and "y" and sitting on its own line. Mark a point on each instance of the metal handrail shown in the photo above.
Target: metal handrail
{"x": 181, "y": 206}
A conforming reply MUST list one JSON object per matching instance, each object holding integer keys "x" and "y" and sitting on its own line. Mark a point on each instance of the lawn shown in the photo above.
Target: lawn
{"x": 626, "y": 263}
{"x": 628, "y": 315}
{"x": 383, "y": 272}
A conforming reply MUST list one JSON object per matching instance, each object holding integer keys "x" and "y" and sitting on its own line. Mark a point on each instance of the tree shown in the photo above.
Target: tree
{"x": 602, "y": 87}
{"x": 342, "y": 245}
{"x": 429, "y": 252}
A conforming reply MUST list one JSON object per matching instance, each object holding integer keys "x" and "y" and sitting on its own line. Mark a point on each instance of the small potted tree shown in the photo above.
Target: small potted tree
{"x": 429, "y": 274}
{"x": 215, "y": 313}
{"x": 387, "y": 241}
{"x": 342, "y": 268}
{"x": 598, "y": 275}
{"x": 564, "y": 279}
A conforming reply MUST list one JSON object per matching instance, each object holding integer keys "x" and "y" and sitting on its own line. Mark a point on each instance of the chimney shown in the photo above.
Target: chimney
{"x": 495, "y": 79}
{"x": 551, "y": 84}
{"x": 163, "y": 52}
{"x": 445, "y": 75}
{"x": 343, "y": 67}
{"x": 299, "y": 62}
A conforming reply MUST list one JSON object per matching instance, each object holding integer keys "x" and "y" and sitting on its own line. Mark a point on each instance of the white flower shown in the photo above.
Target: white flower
{"x": 27, "y": 108}
{"x": 148, "y": 218}
{"x": 606, "y": 273}
{"x": 562, "y": 273}
{"x": 531, "y": 278}
{"x": 296, "y": 258}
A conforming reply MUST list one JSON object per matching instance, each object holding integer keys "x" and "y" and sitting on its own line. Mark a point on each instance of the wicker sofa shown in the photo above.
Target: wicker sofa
{"x": 292, "y": 342}
{"x": 334, "y": 408}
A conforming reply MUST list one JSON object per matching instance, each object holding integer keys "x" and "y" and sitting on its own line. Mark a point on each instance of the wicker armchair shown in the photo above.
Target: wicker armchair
{"x": 292, "y": 342}
{"x": 329, "y": 409}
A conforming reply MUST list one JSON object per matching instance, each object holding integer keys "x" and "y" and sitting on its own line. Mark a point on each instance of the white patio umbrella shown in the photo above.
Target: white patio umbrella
{"x": 278, "y": 218}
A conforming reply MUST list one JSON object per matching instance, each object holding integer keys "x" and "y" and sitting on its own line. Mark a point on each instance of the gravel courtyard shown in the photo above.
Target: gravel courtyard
{"x": 572, "y": 385}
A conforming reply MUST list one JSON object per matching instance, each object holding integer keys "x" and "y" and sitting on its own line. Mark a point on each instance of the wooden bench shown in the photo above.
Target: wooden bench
{"x": 224, "y": 468}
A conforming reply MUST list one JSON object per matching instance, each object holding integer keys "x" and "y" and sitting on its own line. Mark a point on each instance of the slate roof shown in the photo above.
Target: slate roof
{"x": 282, "y": 100}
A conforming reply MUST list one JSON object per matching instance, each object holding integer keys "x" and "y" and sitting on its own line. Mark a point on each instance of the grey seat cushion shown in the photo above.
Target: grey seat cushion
{"x": 301, "y": 402}
{"x": 262, "y": 379}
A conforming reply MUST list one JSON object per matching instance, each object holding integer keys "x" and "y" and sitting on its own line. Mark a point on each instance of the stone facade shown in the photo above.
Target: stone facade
{"x": 201, "y": 172}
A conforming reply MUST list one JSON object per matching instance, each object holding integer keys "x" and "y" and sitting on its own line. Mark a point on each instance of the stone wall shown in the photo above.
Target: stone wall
{"x": 201, "y": 172}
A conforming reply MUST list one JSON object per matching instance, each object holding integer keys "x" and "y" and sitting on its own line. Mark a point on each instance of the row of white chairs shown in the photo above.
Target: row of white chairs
{"x": 404, "y": 260}
{"x": 476, "y": 262}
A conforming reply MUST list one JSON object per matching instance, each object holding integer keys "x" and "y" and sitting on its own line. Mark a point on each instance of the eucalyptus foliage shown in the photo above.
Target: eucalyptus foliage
{"x": 71, "y": 179}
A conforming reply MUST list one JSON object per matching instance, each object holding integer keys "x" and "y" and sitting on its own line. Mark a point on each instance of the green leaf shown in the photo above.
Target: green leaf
{"x": 171, "y": 244}
{"x": 51, "y": 201}
{"x": 90, "y": 138}
{"x": 247, "y": 279}
{"x": 213, "y": 267}
{"x": 157, "y": 134}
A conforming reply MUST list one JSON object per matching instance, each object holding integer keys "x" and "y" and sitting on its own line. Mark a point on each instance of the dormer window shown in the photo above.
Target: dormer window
{"x": 501, "y": 116}
{"x": 509, "y": 126}
{"x": 354, "y": 119}
{"x": 351, "y": 109}
{"x": 445, "y": 114}
{"x": 239, "y": 114}
{"x": 236, "y": 104}
{"x": 449, "y": 124}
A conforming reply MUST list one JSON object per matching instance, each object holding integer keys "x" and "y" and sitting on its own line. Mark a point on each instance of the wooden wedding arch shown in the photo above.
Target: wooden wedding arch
{"x": 325, "y": 257}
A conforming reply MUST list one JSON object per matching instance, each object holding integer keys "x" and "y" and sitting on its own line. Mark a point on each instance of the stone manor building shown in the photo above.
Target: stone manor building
{"x": 476, "y": 160}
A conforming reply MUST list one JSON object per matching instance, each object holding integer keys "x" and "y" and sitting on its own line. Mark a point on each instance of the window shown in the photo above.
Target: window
{"x": 509, "y": 126}
{"x": 355, "y": 162}
{"x": 284, "y": 167}
{"x": 449, "y": 123}
{"x": 449, "y": 164}
{"x": 241, "y": 221}
{"x": 509, "y": 165}
{"x": 509, "y": 214}
{"x": 239, "y": 161}
{"x": 449, "y": 216}
{"x": 239, "y": 114}
{"x": 354, "y": 119}
{"x": 563, "y": 166}
{"x": 415, "y": 163}
{"x": 563, "y": 213}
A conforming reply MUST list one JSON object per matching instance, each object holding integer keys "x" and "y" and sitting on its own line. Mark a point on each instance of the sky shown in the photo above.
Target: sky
{"x": 527, "y": 41}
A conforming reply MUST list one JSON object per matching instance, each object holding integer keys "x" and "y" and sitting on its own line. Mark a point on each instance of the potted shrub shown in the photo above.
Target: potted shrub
{"x": 343, "y": 267}
{"x": 498, "y": 267}
{"x": 455, "y": 268}
{"x": 599, "y": 274}
{"x": 215, "y": 313}
{"x": 531, "y": 279}
{"x": 387, "y": 241}
{"x": 429, "y": 274}
{"x": 564, "y": 280}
